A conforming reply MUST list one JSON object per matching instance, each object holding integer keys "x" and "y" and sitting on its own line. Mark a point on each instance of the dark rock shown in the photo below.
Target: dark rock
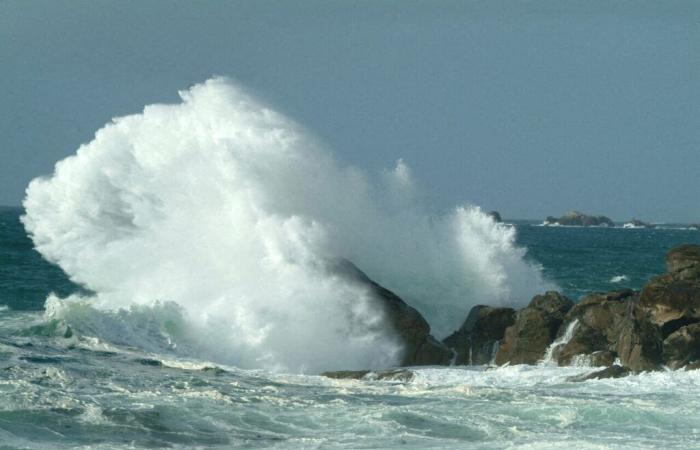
{"x": 673, "y": 300}
{"x": 598, "y": 318}
{"x": 150, "y": 362}
{"x": 495, "y": 215}
{"x": 609, "y": 372}
{"x": 693, "y": 366}
{"x": 639, "y": 346}
{"x": 382, "y": 375}
{"x": 600, "y": 358}
{"x": 476, "y": 339}
{"x": 420, "y": 348}
{"x": 682, "y": 346}
{"x": 575, "y": 218}
{"x": 391, "y": 375}
{"x": 346, "y": 374}
{"x": 535, "y": 327}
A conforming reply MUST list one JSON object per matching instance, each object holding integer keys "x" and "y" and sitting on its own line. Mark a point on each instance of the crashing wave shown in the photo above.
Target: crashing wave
{"x": 230, "y": 210}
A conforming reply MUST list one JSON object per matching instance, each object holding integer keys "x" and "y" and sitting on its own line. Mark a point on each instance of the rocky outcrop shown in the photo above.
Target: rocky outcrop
{"x": 643, "y": 331}
{"x": 672, "y": 300}
{"x": 626, "y": 331}
{"x": 479, "y": 336}
{"x": 535, "y": 327}
{"x": 578, "y": 219}
{"x": 420, "y": 348}
{"x": 682, "y": 347}
{"x": 610, "y": 326}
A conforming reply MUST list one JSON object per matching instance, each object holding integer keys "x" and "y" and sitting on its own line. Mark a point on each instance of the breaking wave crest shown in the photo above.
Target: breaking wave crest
{"x": 230, "y": 211}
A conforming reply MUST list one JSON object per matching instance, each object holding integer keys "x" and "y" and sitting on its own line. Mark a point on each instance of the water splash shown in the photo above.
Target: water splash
{"x": 230, "y": 210}
{"x": 550, "y": 356}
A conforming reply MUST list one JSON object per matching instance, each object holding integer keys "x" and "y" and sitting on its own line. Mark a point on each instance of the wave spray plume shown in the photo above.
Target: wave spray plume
{"x": 230, "y": 210}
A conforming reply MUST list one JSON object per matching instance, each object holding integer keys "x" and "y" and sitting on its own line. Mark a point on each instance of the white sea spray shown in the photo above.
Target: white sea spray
{"x": 229, "y": 210}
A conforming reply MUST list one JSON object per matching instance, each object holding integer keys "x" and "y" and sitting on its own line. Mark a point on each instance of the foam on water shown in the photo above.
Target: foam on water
{"x": 619, "y": 279}
{"x": 230, "y": 211}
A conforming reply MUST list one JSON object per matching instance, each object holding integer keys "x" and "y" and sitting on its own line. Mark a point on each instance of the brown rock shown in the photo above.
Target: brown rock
{"x": 599, "y": 318}
{"x": 683, "y": 257}
{"x": 682, "y": 346}
{"x": 673, "y": 300}
{"x": 535, "y": 327}
{"x": 476, "y": 339}
{"x": 639, "y": 345}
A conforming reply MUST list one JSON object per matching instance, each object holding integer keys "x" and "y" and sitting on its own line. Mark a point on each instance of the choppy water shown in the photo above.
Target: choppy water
{"x": 64, "y": 385}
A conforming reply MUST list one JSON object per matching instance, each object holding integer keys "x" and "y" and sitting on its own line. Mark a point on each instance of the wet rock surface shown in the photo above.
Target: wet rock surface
{"x": 625, "y": 331}
{"x": 535, "y": 328}
{"x": 479, "y": 336}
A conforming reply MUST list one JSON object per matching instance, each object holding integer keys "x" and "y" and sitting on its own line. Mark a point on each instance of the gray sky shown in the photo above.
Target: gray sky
{"x": 529, "y": 107}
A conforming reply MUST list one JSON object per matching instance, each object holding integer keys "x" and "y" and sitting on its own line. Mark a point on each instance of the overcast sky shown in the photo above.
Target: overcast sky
{"x": 529, "y": 107}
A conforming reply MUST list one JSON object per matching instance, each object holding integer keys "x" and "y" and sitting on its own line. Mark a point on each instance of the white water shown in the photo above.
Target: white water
{"x": 559, "y": 343}
{"x": 230, "y": 211}
{"x": 619, "y": 278}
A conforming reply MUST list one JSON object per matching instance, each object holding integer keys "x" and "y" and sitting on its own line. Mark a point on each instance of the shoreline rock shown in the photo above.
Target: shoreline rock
{"x": 623, "y": 331}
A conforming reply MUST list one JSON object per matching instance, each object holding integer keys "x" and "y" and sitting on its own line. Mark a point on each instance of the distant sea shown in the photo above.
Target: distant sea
{"x": 80, "y": 383}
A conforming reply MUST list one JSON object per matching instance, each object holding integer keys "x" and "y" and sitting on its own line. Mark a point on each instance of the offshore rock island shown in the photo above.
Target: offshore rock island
{"x": 579, "y": 219}
{"x": 624, "y": 331}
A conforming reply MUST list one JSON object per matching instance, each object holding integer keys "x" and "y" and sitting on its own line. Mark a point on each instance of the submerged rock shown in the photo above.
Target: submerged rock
{"x": 480, "y": 334}
{"x": 420, "y": 348}
{"x": 383, "y": 375}
{"x": 535, "y": 328}
{"x": 614, "y": 371}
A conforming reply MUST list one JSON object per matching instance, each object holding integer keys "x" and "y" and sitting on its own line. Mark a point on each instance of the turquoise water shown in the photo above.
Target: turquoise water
{"x": 114, "y": 379}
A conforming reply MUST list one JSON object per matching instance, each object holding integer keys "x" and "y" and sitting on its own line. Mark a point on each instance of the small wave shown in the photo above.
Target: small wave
{"x": 619, "y": 279}
{"x": 4, "y": 308}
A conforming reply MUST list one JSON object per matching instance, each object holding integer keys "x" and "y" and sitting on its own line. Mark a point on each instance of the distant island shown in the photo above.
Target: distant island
{"x": 579, "y": 219}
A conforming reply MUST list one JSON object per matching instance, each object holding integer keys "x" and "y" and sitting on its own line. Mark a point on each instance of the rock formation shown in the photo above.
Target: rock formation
{"x": 626, "y": 331}
{"x": 575, "y": 218}
{"x": 477, "y": 339}
{"x": 535, "y": 327}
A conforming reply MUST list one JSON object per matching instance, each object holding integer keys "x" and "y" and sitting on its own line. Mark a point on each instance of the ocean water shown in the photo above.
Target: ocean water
{"x": 65, "y": 385}
{"x": 172, "y": 285}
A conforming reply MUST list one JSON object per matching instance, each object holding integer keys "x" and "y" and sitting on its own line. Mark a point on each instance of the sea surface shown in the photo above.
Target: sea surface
{"x": 69, "y": 384}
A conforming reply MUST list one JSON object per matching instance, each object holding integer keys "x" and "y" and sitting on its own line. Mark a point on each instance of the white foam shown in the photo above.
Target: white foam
{"x": 231, "y": 210}
{"x": 619, "y": 279}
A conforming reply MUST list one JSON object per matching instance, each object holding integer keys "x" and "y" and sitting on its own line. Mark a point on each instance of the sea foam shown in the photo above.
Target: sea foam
{"x": 230, "y": 210}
